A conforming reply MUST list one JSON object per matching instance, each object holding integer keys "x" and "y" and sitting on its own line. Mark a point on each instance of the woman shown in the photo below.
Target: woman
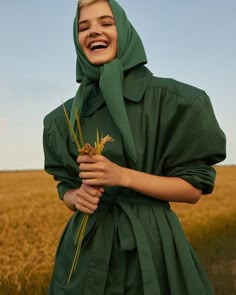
{"x": 166, "y": 139}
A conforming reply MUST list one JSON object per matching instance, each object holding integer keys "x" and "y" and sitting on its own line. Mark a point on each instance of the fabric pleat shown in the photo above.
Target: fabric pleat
{"x": 148, "y": 243}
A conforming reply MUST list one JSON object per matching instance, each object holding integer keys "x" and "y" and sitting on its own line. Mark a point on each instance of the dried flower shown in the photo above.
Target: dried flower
{"x": 87, "y": 149}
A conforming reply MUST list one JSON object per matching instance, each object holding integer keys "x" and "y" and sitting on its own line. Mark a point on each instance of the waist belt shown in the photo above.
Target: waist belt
{"x": 131, "y": 235}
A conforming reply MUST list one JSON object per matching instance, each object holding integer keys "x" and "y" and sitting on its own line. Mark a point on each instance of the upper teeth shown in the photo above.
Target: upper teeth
{"x": 100, "y": 43}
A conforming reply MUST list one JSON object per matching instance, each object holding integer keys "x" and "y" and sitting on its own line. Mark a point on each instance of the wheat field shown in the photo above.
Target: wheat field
{"x": 32, "y": 219}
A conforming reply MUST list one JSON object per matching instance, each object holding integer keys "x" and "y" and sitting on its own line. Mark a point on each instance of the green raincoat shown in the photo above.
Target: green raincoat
{"x": 133, "y": 244}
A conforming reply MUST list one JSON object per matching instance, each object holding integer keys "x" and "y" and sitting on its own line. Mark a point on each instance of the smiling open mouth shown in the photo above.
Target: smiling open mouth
{"x": 98, "y": 45}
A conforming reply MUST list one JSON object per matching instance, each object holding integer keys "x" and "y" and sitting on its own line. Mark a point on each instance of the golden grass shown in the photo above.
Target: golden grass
{"x": 210, "y": 225}
{"x": 32, "y": 220}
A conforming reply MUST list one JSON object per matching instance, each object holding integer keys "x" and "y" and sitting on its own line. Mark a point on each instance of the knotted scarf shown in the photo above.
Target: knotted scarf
{"x": 108, "y": 78}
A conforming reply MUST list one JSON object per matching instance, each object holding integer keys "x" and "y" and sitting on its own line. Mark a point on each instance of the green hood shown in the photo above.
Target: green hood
{"x": 107, "y": 80}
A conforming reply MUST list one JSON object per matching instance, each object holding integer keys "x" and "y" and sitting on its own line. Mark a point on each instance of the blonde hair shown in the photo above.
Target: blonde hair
{"x": 87, "y": 2}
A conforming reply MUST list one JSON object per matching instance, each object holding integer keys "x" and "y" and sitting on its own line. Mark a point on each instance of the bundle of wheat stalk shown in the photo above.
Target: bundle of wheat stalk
{"x": 83, "y": 149}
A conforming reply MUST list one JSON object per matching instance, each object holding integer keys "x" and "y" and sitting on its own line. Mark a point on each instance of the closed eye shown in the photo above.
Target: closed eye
{"x": 107, "y": 24}
{"x": 81, "y": 29}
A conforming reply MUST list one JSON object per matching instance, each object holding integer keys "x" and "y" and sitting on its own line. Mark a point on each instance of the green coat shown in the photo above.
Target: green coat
{"x": 135, "y": 244}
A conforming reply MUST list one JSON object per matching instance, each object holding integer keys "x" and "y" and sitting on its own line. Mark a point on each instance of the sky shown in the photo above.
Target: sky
{"x": 190, "y": 41}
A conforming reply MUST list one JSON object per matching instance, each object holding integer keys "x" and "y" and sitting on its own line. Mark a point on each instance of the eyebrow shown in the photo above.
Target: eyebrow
{"x": 100, "y": 18}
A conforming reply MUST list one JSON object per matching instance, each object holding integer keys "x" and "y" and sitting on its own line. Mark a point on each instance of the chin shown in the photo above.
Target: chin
{"x": 99, "y": 61}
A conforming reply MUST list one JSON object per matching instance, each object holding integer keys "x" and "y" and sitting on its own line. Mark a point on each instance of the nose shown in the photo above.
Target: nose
{"x": 94, "y": 31}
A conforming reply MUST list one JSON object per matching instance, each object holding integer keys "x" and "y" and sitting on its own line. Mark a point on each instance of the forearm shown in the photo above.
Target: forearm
{"x": 171, "y": 189}
{"x": 99, "y": 171}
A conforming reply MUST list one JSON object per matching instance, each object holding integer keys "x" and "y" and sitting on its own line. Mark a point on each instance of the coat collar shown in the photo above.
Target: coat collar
{"x": 136, "y": 82}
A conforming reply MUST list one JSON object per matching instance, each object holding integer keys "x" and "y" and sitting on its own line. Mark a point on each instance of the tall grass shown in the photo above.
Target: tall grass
{"x": 210, "y": 226}
{"x": 32, "y": 219}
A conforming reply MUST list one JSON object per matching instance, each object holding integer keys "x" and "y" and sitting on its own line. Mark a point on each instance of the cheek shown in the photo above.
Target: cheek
{"x": 81, "y": 39}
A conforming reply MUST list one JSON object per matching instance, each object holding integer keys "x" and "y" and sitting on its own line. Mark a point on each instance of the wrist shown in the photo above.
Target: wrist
{"x": 69, "y": 199}
{"x": 125, "y": 177}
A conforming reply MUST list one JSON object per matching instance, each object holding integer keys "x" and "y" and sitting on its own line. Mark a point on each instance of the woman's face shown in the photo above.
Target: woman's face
{"x": 97, "y": 32}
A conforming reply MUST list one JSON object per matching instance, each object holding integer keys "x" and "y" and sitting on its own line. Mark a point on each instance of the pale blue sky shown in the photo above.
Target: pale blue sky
{"x": 191, "y": 41}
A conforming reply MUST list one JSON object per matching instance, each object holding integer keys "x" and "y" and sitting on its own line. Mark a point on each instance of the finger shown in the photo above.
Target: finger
{"x": 89, "y": 194}
{"x": 85, "y": 159}
{"x": 93, "y": 182}
{"x": 90, "y": 175}
{"x": 90, "y": 200}
{"x": 94, "y": 166}
{"x": 94, "y": 191}
{"x": 89, "y": 203}
{"x": 86, "y": 167}
{"x": 101, "y": 189}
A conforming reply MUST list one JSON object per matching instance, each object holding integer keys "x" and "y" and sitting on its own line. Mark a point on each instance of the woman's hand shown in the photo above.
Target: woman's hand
{"x": 99, "y": 171}
{"x": 84, "y": 199}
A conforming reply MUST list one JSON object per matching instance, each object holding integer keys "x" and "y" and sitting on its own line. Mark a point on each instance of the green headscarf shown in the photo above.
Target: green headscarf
{"x": 108, "y": 78}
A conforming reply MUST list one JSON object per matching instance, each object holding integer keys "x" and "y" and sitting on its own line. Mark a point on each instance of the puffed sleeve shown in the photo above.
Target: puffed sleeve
{"x": 197, "y": 143}
{"x": 59, "y": 161}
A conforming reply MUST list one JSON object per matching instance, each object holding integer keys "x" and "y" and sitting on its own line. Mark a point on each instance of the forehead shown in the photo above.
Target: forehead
{"x": 95, "y": 10}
